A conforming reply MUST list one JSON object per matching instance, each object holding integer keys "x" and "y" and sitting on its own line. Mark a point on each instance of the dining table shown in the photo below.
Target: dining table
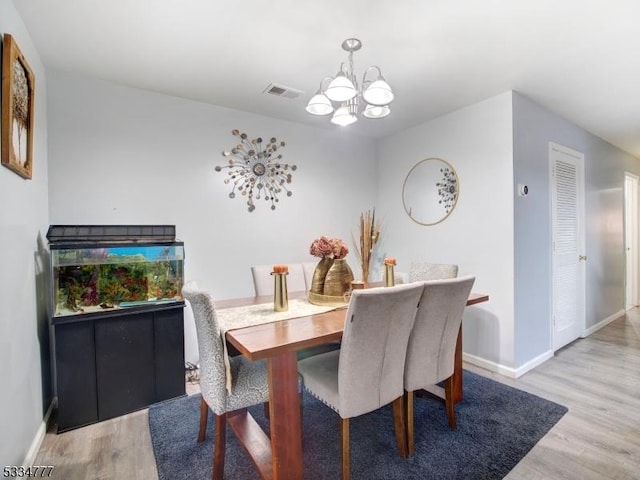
{"x": 279, "y": 456}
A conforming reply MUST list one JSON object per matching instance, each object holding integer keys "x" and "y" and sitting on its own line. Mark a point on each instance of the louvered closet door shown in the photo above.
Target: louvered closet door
{"x": 567, "y": 205}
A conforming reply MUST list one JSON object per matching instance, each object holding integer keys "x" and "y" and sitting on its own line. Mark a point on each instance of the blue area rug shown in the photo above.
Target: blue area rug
{"x": 497, "y": 426}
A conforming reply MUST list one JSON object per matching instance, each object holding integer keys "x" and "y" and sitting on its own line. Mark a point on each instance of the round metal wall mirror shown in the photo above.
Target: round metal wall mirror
{"x": 430, "y": 191}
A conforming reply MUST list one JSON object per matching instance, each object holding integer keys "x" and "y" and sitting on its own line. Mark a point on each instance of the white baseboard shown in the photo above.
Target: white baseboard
{"x": 540, "y": 359}
{"x": 533, "y": 363}
{"x": 37, "y": 440}
{"x": 603, "y": 323}
{"x": 489, "y": 365}
{"x": 503, "y": 369}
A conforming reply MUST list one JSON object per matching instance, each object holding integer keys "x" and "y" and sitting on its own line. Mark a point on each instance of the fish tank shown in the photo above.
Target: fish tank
{"x": 98, "y": 269}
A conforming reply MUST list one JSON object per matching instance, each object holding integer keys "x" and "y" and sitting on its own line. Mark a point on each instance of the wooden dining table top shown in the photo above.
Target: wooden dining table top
{"x": 268, "y": 339}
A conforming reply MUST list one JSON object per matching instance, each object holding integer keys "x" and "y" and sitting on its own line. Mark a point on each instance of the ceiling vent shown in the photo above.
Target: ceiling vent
{"x": 282, "y": 91}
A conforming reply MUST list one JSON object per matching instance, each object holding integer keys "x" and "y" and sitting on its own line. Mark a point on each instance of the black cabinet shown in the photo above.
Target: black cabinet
{"x": 112, "y": 364}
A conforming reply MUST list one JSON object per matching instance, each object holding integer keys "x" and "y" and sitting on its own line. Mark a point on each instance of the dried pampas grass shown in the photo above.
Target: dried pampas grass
{"x": 369, "y": 236}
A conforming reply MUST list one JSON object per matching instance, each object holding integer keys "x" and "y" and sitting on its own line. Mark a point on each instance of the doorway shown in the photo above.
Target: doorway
{"x": 568, "y": 246}
{"x": 631, "y": 240}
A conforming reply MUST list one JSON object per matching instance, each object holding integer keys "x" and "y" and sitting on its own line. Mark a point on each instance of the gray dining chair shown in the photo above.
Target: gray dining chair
{"x": 249, "y": 385}
{"x": 263, "y": 280}
{"x": 432, "y": 344}
{"x": 421, "y": 271}
{"x": 367, "y": 372}
{"x": 309, "y": 268}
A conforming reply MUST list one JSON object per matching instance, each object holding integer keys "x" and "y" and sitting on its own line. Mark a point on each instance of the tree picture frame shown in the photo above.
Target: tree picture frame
{"x": 18, "y": 101}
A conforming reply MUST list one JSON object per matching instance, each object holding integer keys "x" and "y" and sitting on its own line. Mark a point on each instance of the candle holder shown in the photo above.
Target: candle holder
{"x": 280, "y": 294}
{"x": 389, "y": 277}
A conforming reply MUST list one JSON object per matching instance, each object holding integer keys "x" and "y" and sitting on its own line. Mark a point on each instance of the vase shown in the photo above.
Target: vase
{"x": 338, "y": 279}
{"x": 319, "y": 274}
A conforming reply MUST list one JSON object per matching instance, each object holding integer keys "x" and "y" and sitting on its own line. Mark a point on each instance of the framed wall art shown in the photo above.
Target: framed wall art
{"x": 18, "y": 95}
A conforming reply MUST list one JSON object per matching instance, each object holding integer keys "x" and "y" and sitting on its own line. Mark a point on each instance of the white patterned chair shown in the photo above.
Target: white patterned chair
{"x": 249, "y": 384}
{"x": 432, "y": 343}
{"x": 367, "y": 372}
{"x": 263, "y": 280}
{"x": 422, "y": 271}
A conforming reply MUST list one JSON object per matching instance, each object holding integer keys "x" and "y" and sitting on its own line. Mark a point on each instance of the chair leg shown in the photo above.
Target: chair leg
{"x": 450, "y": 405}
{"x": 399, "y": 423}
{"x": 344, "y": 437}
{"x": 409, "y": 406}
{"x": 219, "y": 446}
{"x": 266, "y": 410}
{"x": 204, "y": 414}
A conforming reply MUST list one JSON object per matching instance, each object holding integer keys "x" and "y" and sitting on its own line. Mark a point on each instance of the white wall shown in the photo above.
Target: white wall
{"x": 24, "y": 338}
{"x": 478, "y": 235}
{"x": 534, "y": 127}
{"x": 122, "y": 155}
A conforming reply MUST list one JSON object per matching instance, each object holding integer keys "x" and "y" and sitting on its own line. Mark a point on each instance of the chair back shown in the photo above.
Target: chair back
{"x": 212, "y": 369}
{"x": 374, "y": 346}
{"x": 422, "y": 271}
{"x": 263, "y": 280}
{"x": 432, "y": 343}
{"x": 308, "y": 269}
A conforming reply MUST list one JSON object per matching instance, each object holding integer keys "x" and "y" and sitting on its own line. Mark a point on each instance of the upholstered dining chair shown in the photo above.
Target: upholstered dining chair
{"x": 309, "y": 268}
{"x": 420, "y": 271}
{"x": 249, "y": 386}
{"x": 432, "y": 344}
{"x": 366, "y": 373}
{"x": 263, "y": 280}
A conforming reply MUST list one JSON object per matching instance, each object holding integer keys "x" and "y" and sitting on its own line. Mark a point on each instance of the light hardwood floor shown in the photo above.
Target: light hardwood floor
{"x": 597, "y": 378}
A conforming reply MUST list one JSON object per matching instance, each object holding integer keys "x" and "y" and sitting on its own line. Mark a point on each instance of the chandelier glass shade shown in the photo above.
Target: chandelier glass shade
{"x": 378, "y": 93}
{"x": 375, "y": 111}
{"x": 345, "y": 114}
{"x": 319, "y": 105}
{"x": 343, "y": 89}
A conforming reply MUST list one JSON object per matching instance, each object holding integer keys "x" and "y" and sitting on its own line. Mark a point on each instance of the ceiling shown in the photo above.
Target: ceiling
{"x": 579, "y": 58}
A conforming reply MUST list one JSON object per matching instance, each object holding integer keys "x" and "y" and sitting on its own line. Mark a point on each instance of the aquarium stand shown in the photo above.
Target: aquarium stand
{"x": 110, "y": 365}
{"x": 117, "y": 319}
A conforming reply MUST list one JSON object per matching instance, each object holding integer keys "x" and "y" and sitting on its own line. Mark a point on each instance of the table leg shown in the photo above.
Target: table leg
{"x": 457, "y": 369}
{"x": 284, "y": 417}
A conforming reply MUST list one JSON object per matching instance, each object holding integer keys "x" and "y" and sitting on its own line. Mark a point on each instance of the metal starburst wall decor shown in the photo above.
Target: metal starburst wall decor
{"x": 447, "y": 189}
{"x": 255, "y": 170}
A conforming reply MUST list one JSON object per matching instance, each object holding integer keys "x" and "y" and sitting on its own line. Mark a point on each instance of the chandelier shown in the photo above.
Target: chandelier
{"x": 343, "y": 89}
{"x": 256, "y": 170}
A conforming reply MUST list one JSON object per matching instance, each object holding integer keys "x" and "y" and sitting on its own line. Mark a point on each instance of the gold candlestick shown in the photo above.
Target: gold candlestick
{"x": 389, "y": 277}
{"x": 280, "y": 294}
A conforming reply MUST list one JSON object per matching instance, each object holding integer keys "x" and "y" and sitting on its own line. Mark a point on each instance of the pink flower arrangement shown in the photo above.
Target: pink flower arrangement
{"x": 340, "y": 249}
{"x": 325, "y": 247}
